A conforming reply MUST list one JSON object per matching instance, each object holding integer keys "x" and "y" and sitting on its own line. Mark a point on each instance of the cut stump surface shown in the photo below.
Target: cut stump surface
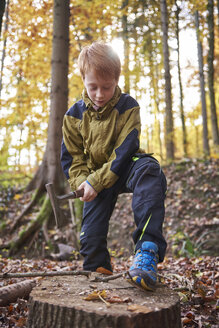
{"x": 59, "y": 302}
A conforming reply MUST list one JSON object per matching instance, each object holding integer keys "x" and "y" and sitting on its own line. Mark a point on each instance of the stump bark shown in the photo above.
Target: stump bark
{"x": 60, "y": 303}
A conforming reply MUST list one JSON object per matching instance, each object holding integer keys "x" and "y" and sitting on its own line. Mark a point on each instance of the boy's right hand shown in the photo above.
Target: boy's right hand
{"x": 89, "y": 192}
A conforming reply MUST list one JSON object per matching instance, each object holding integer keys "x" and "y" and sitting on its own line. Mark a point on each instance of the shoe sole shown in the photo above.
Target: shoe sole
{"x": 130, "y": 280}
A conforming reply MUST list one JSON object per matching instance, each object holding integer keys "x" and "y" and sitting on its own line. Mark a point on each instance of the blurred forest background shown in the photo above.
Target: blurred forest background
{"x": 170, "y": 62}
{"x": 169, "y": 51}
{"x": 175, "y": 80}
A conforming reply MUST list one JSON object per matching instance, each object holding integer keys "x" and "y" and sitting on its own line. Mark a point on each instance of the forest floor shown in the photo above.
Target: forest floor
{"x": 191, "y": 229}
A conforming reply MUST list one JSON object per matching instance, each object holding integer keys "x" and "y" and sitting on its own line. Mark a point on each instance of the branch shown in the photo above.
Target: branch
{"x": 44, "y": 274}
{"x": 11, "y": 293}
{"x": 108, "y": 278}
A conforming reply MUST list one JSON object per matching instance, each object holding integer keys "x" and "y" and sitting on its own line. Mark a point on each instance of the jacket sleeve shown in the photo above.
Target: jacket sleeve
{"x": 73, "y": 158}
{"x": 127, "y": 144}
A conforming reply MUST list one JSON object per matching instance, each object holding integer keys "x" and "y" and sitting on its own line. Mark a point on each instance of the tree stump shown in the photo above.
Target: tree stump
{"x": 61, "y": 302}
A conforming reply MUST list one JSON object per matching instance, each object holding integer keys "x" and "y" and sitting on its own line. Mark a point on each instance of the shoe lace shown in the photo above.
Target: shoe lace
{"x": 146, "y": 259}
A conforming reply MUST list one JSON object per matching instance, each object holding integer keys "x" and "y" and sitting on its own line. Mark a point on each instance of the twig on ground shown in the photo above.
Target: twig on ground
{"x": 44, "y": 274}
{"x": 102, "y": 299}
{"x": 108, "y": 278}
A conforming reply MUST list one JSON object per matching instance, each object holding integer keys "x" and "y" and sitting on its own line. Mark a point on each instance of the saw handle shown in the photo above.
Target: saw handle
{"x": 72, "y": 195}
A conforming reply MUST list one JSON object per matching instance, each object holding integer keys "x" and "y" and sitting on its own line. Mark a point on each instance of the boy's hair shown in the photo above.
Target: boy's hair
{"x": 101, "y": 58}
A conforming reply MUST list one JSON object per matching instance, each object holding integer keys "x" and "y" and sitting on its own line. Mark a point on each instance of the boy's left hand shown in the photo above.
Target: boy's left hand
{"x": 89, "y": 192}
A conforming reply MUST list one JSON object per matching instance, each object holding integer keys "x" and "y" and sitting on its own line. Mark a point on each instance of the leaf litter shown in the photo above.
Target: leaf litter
{"x": 191, "y": 228}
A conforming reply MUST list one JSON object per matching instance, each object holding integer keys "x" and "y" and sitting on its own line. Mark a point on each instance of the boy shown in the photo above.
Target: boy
{"x": 101, "y": 155}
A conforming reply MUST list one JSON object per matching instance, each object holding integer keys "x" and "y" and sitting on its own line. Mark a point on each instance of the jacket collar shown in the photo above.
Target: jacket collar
{"x": 102, "y": 111}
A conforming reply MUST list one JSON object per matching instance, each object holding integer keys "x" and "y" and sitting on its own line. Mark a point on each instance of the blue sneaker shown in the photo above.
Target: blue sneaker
{"x": 143, "y": 272}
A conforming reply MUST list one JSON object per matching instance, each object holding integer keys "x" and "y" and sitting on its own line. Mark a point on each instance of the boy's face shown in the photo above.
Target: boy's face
{"x": 100, "y": 90}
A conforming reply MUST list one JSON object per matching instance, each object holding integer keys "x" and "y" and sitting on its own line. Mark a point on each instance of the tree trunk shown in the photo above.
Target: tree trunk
{"x": 155, "y": 95}
{"x": 60, "y": 302}
{"x": 202, "y": 88}
{"x": 197, "y": 141}
{"x": 50, "y": 170}
{"x": 214, "y": 124}
{"x": 2, "y": 10}
{"x": 218, "y": 13}
{"x": 168, "y": 98}
{"x": 184, "y": 132}
{"x": 158, "y": 111}
{"x": 125, "y": 37}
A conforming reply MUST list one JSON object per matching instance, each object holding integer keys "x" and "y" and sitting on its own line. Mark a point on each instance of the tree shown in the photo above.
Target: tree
{"x": 168, "y": 97}
{"x": 125, "y": 36}
{"x": 50, "y": 169}
{"x": 2, "y": 10}
{"x": 202, "y": 87}
{"x": 218, "y": 12}
{"x": 184, "y": 132}
{"x": 214, "y": 124}
{"x": 152, "y": 47}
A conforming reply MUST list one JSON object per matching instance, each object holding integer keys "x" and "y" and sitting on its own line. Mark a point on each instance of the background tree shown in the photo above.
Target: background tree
{"x": 214, "y": 123}
{"x": 27, "y": 79}
{"x": 218, "y": 13}
{"x": 125, "y": 37}
{"x": 202, "y": 87}
{"x": 50, "y": 169}
{"x": 168, "y": 97}
{"x": 182, "y": 115}
{"x": 2, "y": 10}
{"x": 4, "y": 6}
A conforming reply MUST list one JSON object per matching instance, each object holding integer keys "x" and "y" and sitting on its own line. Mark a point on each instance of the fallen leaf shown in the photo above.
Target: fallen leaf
{"x": 190, "y": 315}
{"x": 95, "y": 295}
{"x": 183, "y": 297}
{"x": 186, "y": 320}
{"x": 202, "y": 289}
{"x": 136, "y": 308}
{"x": 115, "y": 299}
{"x": 17, "y": 196}
{"x": 210, "y": 298}
{"x": 21, "y": 322}
{"x": 104, "y": 271}
{"x": 10, "y": 308}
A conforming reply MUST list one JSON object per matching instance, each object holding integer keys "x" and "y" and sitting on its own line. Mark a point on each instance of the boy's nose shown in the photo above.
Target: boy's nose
{"x": 99, "y": 93}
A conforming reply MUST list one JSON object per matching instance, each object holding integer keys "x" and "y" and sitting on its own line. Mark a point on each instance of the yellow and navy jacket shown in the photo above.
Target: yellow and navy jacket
{"x": 97, "y": 144}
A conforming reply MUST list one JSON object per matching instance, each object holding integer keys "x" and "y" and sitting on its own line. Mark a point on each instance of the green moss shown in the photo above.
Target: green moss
{"x": 45, "y": 211}
{"x": 34, "y": 194}
{"x": 22, "y": 232}
{"x": 41, "y": 200}
{"x": 3, "y": 225}
{"x": 78, "y": 205}
{"x": 12, "y": 244}
{"x": 50, "y": 246}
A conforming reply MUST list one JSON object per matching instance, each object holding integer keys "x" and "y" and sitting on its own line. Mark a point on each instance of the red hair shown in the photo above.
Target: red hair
{"x": 101, "y": 58}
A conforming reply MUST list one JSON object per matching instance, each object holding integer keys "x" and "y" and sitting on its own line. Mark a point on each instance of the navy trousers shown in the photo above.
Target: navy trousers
{"x": 145, "y": 179}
